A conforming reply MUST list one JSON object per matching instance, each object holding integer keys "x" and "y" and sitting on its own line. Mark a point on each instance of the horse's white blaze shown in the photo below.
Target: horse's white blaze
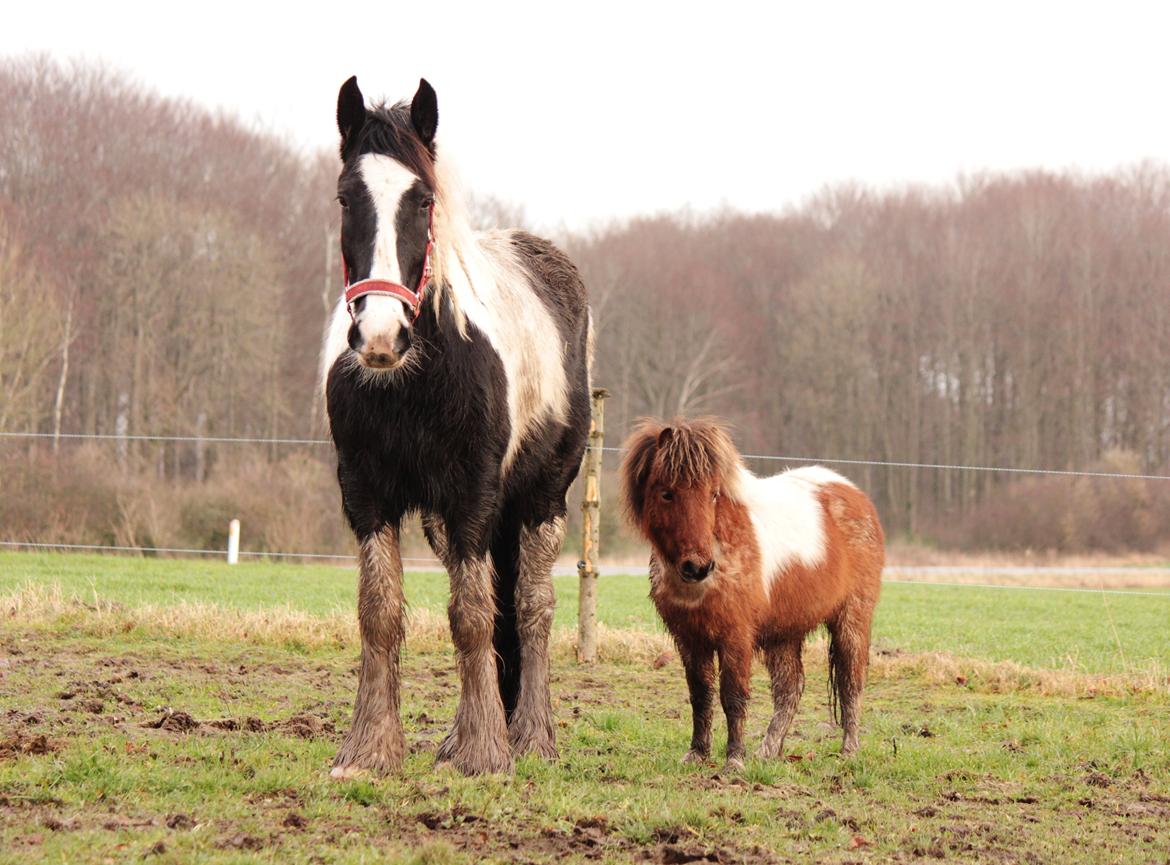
{"x": 787, "y": 517}
{"x": 386, "y": 180}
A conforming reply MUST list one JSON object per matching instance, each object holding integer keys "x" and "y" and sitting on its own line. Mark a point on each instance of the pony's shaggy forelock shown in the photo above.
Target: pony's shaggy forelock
{"x": 695, "y": 451}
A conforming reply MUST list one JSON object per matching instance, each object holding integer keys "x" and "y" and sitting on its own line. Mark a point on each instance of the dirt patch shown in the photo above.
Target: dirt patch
{"x": 301, "y": 726}
{"x": 592, "y": 838}
{"x": 180, "y": 822}
{"x": 19, "y": 745}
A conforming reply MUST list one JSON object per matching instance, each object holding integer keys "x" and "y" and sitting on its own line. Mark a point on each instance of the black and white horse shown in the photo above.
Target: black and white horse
{"x": 456, "y": 373}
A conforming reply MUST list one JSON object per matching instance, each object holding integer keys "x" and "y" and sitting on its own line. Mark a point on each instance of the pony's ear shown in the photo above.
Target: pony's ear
{"x": 641, "y": 448}
{"x": 351, "y": 113}
{"x": 424, "y": 112}
{"x": 665, "y": 436}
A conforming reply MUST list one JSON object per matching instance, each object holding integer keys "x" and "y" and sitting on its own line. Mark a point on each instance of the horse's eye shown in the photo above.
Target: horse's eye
{"x": 667, "y": 496}
{"x": 344, "y": 204}
{"x": 426, "y": 202}
{"x": 715, "y": 496}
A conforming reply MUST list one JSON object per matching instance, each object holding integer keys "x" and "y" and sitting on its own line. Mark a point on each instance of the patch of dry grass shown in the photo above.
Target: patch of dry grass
{"x": 50, "y": 608}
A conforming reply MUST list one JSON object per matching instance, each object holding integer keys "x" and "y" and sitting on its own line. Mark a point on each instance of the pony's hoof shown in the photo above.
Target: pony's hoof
{"x": 771, "y": 751}
{"x": 733, "y": 766}
{"x": 694, "y": 757}
{"x": 346, "y": 773}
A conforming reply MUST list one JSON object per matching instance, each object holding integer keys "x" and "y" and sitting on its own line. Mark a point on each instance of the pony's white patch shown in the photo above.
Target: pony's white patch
{"x": 787, "y": 517}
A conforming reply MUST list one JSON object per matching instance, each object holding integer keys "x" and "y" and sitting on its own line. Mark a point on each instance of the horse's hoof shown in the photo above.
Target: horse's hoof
{"x": 480, "y": 763}
{"x": 532, "y": 737}
{"x": 474, "y": 755}
{"x": 373, "y": 751}
{"x": 694, "y": 757}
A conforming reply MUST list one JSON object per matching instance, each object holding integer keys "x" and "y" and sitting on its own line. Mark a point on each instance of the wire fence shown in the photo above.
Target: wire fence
{"x": 429, "y": 562}
{"x": 194, "y": 439}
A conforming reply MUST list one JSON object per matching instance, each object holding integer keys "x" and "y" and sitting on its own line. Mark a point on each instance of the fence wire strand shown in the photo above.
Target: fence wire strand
{"x": 189, "y": 439}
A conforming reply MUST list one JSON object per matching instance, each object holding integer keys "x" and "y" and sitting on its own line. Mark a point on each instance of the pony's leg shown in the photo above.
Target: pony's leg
{"x": 787, "y": 672}
{"x": 849, "y": 660}
{"x": 531, "y": 725}
{"x": 699, "y": 663}
{"x": 735, "y": 676}
{"x": 375, "y": 741}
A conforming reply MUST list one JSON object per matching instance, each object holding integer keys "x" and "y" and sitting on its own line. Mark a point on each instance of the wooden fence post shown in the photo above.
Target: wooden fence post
{"x": 590, "y": 533}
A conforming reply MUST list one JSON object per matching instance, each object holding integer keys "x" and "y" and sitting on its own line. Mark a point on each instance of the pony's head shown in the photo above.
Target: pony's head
{"x": 387, "y": 192}
{"x": 672, "y": 480}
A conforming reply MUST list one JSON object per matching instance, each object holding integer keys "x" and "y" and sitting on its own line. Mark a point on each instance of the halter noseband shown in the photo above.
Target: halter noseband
{"x": 385, "y": 288}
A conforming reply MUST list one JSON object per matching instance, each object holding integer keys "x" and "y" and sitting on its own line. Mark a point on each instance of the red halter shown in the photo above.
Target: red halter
{"x": 385, "y": 288}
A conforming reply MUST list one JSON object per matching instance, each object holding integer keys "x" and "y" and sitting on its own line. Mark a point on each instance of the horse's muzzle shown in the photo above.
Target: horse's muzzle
{"x": 694, "y": 571}
{"x": 382, "y": 353}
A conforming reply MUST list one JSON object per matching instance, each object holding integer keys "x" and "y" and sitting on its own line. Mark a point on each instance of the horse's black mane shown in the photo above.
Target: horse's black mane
{"x": 388, "y": 130}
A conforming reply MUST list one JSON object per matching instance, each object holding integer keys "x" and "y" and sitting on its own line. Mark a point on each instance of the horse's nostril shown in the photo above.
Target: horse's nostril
{"x": 688, "y": 569}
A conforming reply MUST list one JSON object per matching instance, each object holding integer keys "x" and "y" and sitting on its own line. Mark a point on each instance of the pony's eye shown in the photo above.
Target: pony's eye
{"x": 426, "y": 202}
{"x": 344, "y": 204}
{"x": 715, "y": 496}
{"x": 667, "y": 496}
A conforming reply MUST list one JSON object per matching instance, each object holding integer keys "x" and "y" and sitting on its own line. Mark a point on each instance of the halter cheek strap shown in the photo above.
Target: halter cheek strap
{"x": 385, "y": 288}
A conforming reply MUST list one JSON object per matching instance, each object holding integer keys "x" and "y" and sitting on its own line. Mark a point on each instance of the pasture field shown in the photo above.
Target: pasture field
{"x": 179, "y": 711}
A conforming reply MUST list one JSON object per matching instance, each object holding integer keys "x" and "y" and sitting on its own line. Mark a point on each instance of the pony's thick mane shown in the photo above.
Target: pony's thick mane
{"x": 457, "y": 255}
{"x": 691, "y": 452}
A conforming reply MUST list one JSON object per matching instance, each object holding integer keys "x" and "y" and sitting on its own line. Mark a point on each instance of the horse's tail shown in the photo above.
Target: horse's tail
{"x": 505, "y": 549}
{"x": 835, "y": 683}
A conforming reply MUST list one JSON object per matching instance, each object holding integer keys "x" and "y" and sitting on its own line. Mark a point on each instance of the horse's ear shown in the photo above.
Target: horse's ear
{"x": 351, "y": 113}
{"x": 665, "y": 436}
{"x": 424, "y": 112}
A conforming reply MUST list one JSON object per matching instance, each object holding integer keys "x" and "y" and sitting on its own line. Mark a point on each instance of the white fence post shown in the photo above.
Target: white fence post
{"x": 233, "y": 550}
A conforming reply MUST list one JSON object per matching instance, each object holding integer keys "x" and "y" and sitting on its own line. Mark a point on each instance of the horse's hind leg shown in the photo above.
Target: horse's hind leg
{"x": 848, "y": 662}
{"x": 787, "y": 673}
{"x": 531, "y": 726}
{"x": 375, "y": 741}
{"x": 478, "y": 742}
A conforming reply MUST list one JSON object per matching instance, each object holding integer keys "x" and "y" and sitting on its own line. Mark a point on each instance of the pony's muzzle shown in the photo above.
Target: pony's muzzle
{"x": 693, "y": 570}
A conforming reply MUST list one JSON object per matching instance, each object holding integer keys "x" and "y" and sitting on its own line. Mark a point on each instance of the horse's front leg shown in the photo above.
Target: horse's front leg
{"x": 478, "y": 742}
{"x": 375, "y": 741}
{"x": 530, "y": 728}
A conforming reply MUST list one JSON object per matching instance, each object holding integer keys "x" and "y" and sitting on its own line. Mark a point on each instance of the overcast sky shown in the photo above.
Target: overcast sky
{"x": 585, "y": 111}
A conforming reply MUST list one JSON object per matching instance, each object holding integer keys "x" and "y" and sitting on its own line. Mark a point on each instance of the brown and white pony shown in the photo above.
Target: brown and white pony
{"x": 742, "y": 563}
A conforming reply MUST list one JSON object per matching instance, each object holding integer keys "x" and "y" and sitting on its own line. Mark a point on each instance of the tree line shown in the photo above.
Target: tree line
{"x": 166, "y": 270}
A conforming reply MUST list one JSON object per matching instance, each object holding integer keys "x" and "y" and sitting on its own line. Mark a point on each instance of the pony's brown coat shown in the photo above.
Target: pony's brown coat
{"x": 739, "y": 609}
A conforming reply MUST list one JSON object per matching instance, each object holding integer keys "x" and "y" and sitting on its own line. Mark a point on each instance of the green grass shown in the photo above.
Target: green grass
{"x": 1085, "y": 631}
{"x": 949, "y": 769}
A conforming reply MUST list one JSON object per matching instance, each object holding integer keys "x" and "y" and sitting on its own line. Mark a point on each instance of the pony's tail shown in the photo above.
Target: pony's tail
{"x": 835, "y": 695}
{"x": 505, "y": 550}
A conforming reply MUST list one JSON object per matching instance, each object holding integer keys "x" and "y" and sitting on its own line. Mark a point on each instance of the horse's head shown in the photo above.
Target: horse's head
{"x": 672, "y": 479}
{"x": 387, "y": 195}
